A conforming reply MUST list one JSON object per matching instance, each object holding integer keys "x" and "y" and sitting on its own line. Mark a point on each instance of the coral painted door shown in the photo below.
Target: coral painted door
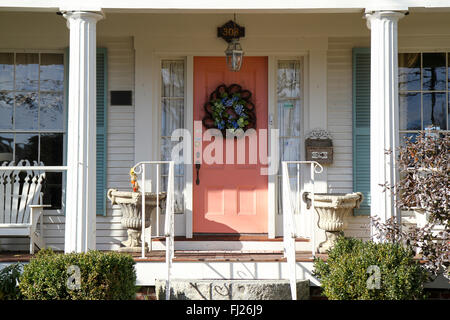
{"x": 230, "y": 198}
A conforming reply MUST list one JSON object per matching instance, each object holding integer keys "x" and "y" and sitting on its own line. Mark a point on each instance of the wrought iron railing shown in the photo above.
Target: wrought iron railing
{"x": 169, "y": 223}
{"x": 291, "y": 204}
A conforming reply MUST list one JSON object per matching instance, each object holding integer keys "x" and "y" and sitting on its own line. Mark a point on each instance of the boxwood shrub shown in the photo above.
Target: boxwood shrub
{"x": 349, "y": 272}
{"x": 102, "y": 276}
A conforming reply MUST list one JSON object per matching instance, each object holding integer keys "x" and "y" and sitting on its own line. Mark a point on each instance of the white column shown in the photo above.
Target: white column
{"x": 383, "y": 110}
{"x": 81, "y": 133}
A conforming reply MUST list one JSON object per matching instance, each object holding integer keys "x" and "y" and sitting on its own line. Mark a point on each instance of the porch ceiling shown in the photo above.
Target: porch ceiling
{"x": 234, "y": 6}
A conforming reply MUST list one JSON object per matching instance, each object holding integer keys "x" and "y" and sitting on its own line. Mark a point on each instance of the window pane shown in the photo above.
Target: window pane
{"x": 26, "y": 111}
{"x": 51, "y": 111}
{"x": 26, "y": 147}
{"x": 52, "y": 189}
{"x": 434, "y": 71}
{"x": 410, "y": 111}
{"x": 6, "y": 147}
{"x": 293, "y": 185}
{"x": 52, "y": 149}
{"x": 288, "y": 79}
{"x": 409, "y": 71}
{"x": 52, "y": 72}
{"x": 172, "y": 116}
{"x": 6, "y": 110}
{"x": 172, "y": 74}
{"x": 6, "y": 71}
{"x": 289, "y": 149}
{"x": 27, "y": 71}
{"x": 289, "y": 119}
{"x": 434, "y": 110}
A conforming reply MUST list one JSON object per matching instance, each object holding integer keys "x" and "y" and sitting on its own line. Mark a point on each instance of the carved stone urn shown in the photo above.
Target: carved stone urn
{"x": 332, "y": 209}
{"x": 130, "y": 204}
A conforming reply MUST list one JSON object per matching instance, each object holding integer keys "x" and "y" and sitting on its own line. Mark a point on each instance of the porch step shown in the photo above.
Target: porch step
{"x": 230, "y": 243}
{"x": 219, "y": 289}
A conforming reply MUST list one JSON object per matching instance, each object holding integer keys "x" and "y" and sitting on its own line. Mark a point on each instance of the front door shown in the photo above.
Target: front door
{"x": 231, "y": 198}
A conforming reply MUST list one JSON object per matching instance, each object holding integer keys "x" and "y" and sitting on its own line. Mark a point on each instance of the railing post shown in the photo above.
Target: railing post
{"x": 143, "y": 212}
{"x": 313, "y": 217}
{"x": 169, "y": 226}
{"x": 157, "y": 200}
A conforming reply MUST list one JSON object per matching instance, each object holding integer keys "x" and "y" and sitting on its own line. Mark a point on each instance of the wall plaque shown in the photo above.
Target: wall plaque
{"x": 230, "y": 30}
{"x": 319, "y": 147}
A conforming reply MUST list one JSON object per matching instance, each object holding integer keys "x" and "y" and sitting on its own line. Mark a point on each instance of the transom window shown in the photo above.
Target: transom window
{"x": 32, "y": 113}
{"x": 423, "y": 92}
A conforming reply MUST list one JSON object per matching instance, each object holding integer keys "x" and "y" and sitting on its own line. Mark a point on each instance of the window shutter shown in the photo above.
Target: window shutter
{"x": 101, "y": 105}
{"x": 361, "y": 127}
{"x": 102, "y": 88}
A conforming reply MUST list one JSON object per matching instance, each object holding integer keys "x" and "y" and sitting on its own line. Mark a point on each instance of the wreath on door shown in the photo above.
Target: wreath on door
{"x": 230, "y": 108}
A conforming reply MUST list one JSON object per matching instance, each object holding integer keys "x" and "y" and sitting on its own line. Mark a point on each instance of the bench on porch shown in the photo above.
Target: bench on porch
{"x": 21, "y": 203}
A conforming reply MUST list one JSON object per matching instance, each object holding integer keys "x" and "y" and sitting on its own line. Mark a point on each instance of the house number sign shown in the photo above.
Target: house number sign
{"x": 230, "y": 30}
{"x": 319, "y": 147}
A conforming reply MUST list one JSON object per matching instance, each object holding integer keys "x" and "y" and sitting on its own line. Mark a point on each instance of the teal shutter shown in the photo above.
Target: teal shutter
{"x": 101, "y": 105}
{"x": 361, "y": 126}
{"x": 102, "y": 89}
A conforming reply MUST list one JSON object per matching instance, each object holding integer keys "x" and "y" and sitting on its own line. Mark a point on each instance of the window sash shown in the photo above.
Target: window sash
{"x": 289, "y": 107}
{"x": 172, "y": 116}
{"x": 424, "y": 91}
{"x": 39, "y": 131}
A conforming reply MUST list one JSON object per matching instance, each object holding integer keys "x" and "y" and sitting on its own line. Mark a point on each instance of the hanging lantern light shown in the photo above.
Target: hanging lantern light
{"x": 234, "y": 55}
{"x": 231, "y": 32}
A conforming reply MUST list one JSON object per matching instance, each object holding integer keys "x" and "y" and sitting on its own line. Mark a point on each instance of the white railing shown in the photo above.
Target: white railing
{"x": 291, "y": 204}
{"x": 169, "y": 224}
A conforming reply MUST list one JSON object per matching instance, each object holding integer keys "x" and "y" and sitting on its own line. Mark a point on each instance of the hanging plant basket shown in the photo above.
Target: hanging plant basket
{"x": 230, "y": 108}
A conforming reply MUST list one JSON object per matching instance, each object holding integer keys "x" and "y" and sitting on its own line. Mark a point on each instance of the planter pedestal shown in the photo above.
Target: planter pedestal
{"x": 332, "y": 209}
{"x": 130, "y": 204}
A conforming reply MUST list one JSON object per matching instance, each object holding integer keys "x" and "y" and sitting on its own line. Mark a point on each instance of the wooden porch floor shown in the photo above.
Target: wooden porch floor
{"x": 189, "y": 256}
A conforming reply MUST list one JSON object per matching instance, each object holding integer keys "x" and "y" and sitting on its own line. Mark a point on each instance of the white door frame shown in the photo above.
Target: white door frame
{"x": 148, "y": 105}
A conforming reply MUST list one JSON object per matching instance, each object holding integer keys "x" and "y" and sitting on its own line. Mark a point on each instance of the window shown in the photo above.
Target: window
{"x": 423, "y": 92}
{"x": 172, "y": 117}
{"x": 289, "y": 106}
{"x": 32, "y": 114}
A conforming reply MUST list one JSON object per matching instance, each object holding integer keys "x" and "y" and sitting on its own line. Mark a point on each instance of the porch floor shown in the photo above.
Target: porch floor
{"x": 190, "y": 256}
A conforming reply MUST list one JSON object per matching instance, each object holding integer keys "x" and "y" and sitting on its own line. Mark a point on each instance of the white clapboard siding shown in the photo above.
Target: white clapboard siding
{"x": 120, "y": 143}
{"x": 339, "y": 97}
{"x": 120, "y": 155}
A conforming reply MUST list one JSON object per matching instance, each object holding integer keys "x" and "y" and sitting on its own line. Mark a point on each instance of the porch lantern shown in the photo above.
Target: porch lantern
{"x": 234, "y": 55}
{"x": 231, "y": 32}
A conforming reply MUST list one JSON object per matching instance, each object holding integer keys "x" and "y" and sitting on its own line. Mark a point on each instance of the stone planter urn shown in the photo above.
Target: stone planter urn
{"x": 130, "y": 204}
{"x": 332, "y": 209}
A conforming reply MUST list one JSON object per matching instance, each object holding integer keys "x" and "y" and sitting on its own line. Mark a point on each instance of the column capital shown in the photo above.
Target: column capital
{"x": 91, "y": 16}
{"x": 384, "y": 15}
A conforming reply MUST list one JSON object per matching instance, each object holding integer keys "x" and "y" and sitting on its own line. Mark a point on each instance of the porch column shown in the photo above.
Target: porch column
{"x": 80, "y": 225}
{"x": 383, "y": 110}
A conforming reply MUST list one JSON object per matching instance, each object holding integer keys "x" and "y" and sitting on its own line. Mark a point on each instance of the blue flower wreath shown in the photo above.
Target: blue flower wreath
{"x": 230, "y": 108}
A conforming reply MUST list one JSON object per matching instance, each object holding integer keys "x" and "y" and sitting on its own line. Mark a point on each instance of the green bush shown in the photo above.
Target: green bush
{"x": 9, "y": 277}
{"x": 348, "y": 274}
{"x": 103, "y": 276}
